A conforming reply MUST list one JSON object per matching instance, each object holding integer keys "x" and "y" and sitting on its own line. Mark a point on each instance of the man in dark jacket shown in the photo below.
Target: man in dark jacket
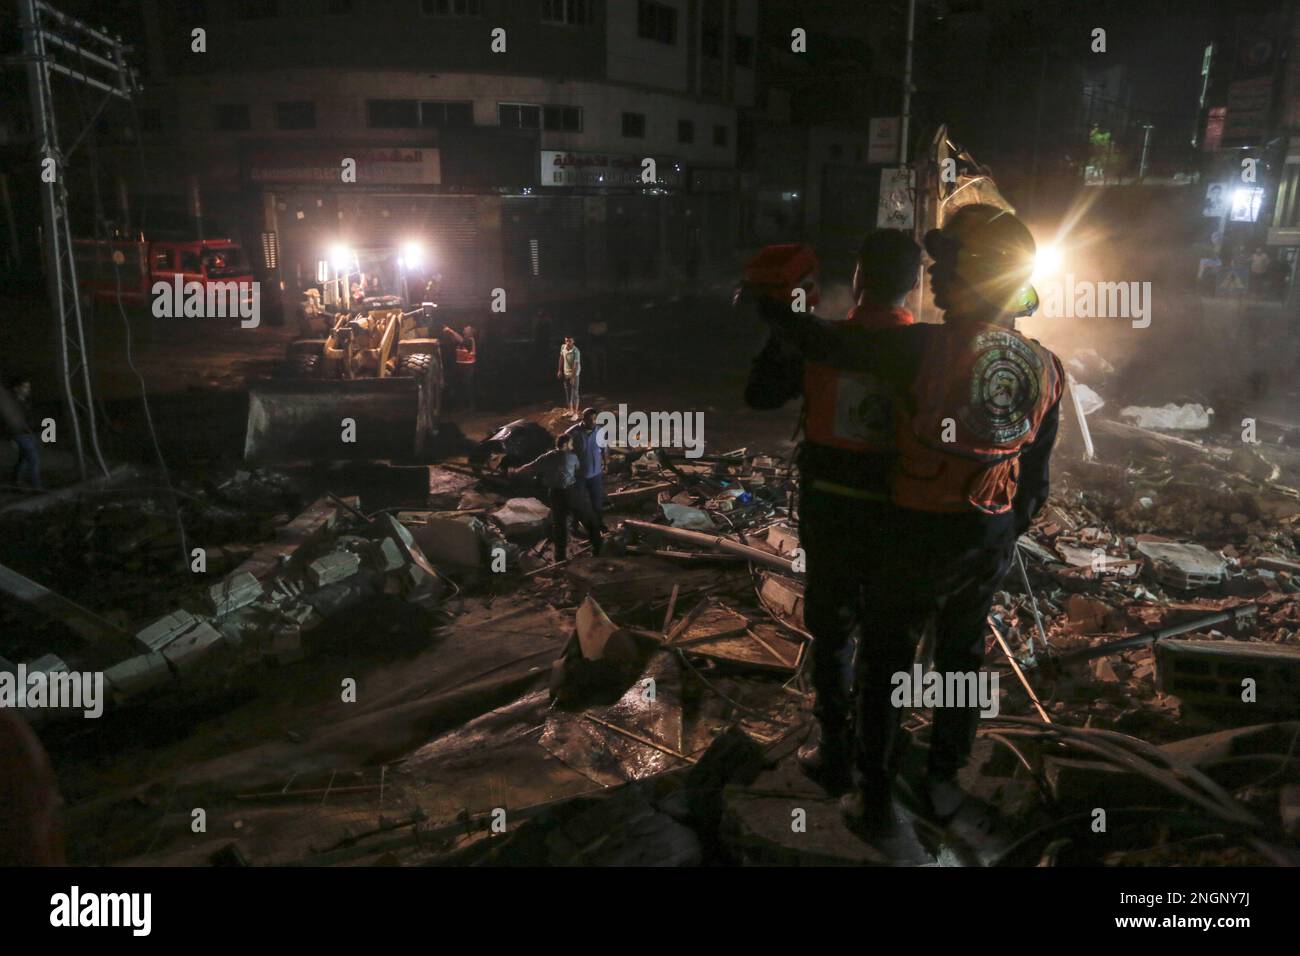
{"x": 16, "y": 414}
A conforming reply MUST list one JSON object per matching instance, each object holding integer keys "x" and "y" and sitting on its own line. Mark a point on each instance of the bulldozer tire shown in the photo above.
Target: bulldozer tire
{"x": 303, "y": 366}
{"x": 415, "y": 364}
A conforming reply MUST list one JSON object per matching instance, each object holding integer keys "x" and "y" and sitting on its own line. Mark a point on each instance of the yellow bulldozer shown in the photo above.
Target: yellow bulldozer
{"x": 364, "y": 382}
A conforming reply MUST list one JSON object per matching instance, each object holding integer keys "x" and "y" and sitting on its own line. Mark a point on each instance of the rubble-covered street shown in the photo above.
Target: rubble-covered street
{"x": 355, "y": 678}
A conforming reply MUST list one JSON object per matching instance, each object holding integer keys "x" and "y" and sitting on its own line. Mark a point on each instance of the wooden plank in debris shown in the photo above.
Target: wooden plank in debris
{"x": 712, "y": 623}
{"x": 1278, "y": 564}
{"x": 711, "y": 541}
{"x": 86, "y": 624}
{"x": 757, "y": 647}
{"x": 629, "y": 496}
{"x": 302, "y": 530}
{"x": 1122, "y": 430}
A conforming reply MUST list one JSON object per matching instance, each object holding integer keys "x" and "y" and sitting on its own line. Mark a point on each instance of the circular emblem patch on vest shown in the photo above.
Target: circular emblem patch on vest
{"x": 1004, "y": 381}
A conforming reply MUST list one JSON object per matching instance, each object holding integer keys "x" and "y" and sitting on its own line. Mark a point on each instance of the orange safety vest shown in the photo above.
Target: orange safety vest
{"x": 978, "y": 401}
{"x": 465, "y": 356}
{"x": 847, "y": 409}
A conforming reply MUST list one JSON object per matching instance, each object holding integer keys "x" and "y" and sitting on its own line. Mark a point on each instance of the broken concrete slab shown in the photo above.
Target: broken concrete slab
{"x": 456, "y": 542}
{"x": 1184, "y": 566}
{"x": 333, "y": 598}
{"x": 1230, "y": 674}
{"x": 186, "y": 652}
{"x": 1189, "y": 417}
{"x": 419, "y": 579}
{"x": 166, "y": 629}
{"x": 446, "y": 487}
{"x": 138, "y": 674}
{"x": 332, "y": 568}
{"x": 308, "y": 528}
{"x": 235, "y": 591}
{"x": 519, "y": 517}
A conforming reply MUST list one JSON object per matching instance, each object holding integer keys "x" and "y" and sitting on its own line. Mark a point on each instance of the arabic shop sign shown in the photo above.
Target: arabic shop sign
{"x": 570, "y": 168}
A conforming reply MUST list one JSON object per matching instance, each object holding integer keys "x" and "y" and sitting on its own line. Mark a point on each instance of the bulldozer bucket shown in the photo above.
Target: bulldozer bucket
{"x": 314, "y": 420}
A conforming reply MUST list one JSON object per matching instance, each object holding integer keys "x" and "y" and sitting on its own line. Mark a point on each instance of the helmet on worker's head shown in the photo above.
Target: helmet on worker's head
{"x": 989, "y": 255}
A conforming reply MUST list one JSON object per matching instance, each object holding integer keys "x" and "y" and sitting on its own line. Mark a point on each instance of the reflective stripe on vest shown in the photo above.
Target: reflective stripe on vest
{"x": 464, "y": 356}
{"x": 978, "y": 401}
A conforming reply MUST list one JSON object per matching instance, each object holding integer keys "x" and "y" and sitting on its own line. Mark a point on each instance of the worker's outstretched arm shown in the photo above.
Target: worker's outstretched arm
{"x": 775, "y": 377}
{"x": 801, "y": 332}
{"x": 536, "y": 465}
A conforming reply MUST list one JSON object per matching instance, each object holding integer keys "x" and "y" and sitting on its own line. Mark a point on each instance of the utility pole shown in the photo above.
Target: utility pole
{"x": 45, "y": 31}
{"x": 1146, "y": 143}
{"x": 907, "y": 84}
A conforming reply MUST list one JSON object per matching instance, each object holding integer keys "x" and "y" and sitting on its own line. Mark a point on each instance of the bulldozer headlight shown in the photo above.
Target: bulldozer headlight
{"x": 412, "y": 255}
{"x": 342, "y": 258}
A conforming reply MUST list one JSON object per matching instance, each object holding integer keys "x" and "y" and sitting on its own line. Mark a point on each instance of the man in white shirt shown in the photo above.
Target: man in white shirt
{"x": 568, "y": 370}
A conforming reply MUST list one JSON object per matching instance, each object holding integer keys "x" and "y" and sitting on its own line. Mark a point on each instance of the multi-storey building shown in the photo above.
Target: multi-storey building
{"x": 510, "y": 137}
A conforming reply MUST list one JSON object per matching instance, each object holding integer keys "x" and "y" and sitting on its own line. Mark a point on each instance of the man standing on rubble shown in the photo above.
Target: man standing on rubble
{"x": 568, "y": 370}
{"x": 838, "y": 470}
{"x": 589, "y": 444}
{"x": 976, "y": 410}
{"x": 558, "y": 470}
{"x": 16, "y": 414}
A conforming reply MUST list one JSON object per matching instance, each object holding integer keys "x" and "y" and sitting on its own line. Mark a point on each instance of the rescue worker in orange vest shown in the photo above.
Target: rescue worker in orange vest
{"x": 835, "y": 470}
{"x": 466, "y": 360}
{"x": 976, "y": 412}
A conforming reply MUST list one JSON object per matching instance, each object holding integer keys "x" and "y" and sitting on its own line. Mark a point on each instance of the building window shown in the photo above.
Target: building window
{"x": 437, "y": 114}
{"x": 392, "y": 114}
{"x": 711, "y": 41}
{"x": 719, "y": 136}
{"x": 519, "y": 116}
{"x": 256, "y": 9}
{"x": 300, "y": 114}
{"x": 1286, "y": 215}
{"x": 634, "y": 125}
{"x": 563, "y": 119}
{"x": 452, "y": 8}
{"x": 656, "y": 21}
{"x": 744, "y": 51}
{"x": 574, "y": 13}
{"x": 339, "y": 8}
{"x": 685, "y": 131}
{"x": 233, "y": 116}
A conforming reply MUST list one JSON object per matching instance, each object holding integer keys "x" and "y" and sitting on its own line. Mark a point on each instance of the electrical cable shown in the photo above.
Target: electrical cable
{"x": 101, "y": 233}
